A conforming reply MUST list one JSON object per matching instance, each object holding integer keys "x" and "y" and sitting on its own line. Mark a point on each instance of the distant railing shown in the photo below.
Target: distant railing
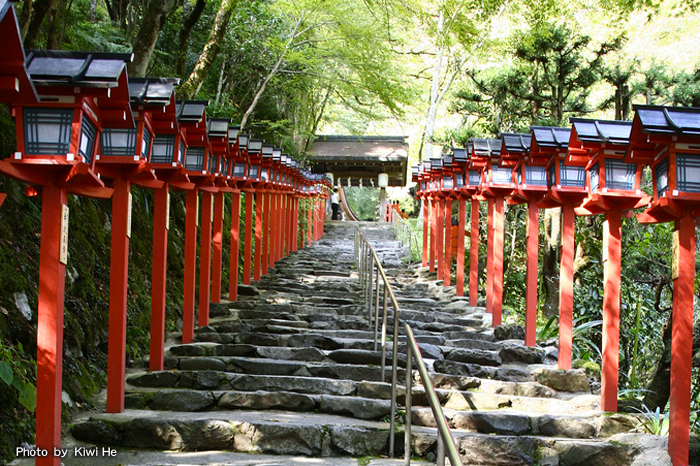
{"x": 405, "y": 234}
{"x": 366, "y": 261}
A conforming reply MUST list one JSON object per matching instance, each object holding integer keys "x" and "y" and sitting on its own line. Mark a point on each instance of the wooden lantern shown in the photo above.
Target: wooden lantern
{"x": 495, "y": 184}
{"x": 530, "y": 178}
{"x": 566, "y": 189}
{"x": 57, "y": 132}
{"x": 613, "y": 186}
{"x": 668, "y": 139}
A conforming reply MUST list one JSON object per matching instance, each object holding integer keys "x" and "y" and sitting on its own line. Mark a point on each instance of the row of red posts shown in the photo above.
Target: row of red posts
{"x": 84, "y": 128}
{"x": 595, "y": 167}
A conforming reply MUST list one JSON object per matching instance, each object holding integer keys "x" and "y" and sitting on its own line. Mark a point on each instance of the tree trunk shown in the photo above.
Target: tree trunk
{"x": 220, "y": 86}
{"x": 550, "y": 261}
{"x": 93, "y": 6}
{"x": 660, "y": 385}
{"x": 145, "y": 43}
{"x": 190, "y": 88}
{"x": 52, "y": 39}
{"x": 427, "y": 150}
{"x": 40, "y": 9}
{"x": 272, "y": 72}
{"x": 24, "y": 18}
{"x": 185, "y": 31}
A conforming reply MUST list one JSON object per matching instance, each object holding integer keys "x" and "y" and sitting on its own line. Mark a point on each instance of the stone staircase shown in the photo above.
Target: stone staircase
{"x": 288, "y": 375}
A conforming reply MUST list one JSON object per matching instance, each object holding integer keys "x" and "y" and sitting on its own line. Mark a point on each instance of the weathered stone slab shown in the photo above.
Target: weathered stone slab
{"x": 475, "y": 356}
{"x": 562, "y": 380}
{"x": 266, "y": 400}
{"x": 564, "y": 426}
{"x": 360, "y": 408}
{"x": 520, "y": 353}
{"x": 181, "y": 400}
{"x": 294, "y": 384}
{"x": 492, "y": 422}
{"x": 202, "y": 364}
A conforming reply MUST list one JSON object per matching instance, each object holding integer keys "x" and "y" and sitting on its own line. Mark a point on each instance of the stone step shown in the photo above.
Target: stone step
{"x": 324, "y": 435}
{"x": 516, "y": 422}
{"x": 259, "y": 366}
{"x": 193, "y": 401}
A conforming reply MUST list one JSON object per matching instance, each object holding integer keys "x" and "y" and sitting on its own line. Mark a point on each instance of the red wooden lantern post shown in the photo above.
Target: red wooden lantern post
{"x": 449, "y": 194}
{"x": 418, "y": 177}
{"x": 123, "y": 156}
{"x": 198, "y": 161}
{"x": 429, "y": 216}
{"x": 438, "y": 223}
{"x": 459, "y": 158}
{"x": 566, "y": 189}
{"x": 667, "y": 139}
{"x": 266, "y": 188}
{"x": 156, "y": 98}
{"x": 238, "y": 150}
{"x": 469, "y": 189}
{"x": 496, "y": 184}
{"x": 253, "y": 192}
{"x": 217, "y": 129}
{"x": 530, "y": 179}
{"x": 56, "y": 142}
{"x": 613, "y": 187}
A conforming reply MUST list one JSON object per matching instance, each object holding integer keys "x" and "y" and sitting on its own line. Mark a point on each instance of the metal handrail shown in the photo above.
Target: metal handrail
{"x": 366, "y": 260}
{"x": 403, "y": 230}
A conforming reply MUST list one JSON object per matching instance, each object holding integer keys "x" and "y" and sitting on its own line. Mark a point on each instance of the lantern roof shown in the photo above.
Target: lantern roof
{"x": 601, "y": 131}
{"x": 514, "y": 146}
{"x": 152, "y": 91}
{"x": 81, "y": 69}
{"x": 233, "y": 133}
{"x": 191, "y": 110}
{"x": 461, "y": 155}
{"x": 668, "y": 120}
{"x": 218, "y": 127}
{"x": 516, "y": 143}
{"x": 486, "y": 148}
{"x": 552, "y": 137}
{"x": 13, "y": 59}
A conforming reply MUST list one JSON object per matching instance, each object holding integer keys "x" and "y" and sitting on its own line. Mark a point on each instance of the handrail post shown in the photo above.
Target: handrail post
{"x": 376, "y": 312}
{"x": 409, "y": 405}
{"x": 440, "y": 451}
{"x": 394, "y": 375}
{"x": 370, "y": 290}
{"x": 384, "y": 317}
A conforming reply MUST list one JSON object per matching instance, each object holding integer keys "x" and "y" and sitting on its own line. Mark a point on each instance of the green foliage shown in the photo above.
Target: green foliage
{"x": 364, "y": 202}
{"x": 655, "y": 422}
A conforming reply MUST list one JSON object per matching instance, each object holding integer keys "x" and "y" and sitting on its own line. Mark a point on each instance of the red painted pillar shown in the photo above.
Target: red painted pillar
{"x": 426, "y": 230}
{"x": 566, "y": 287}
{"x": 433, "y": 233}
{"x": 118, "y": 282}
{"x": 498, "y": 239}
{"x": 275, "y": 226}
{"x": 259, "y": 201}
{"x": 205, "y": 259}
{"x": 248, "y": 238}
{"x": 266, "y": 242}
{"x": 460, "y": 246}
{"x": 612, "y": 255}
{"x": 2, "y": 198}
{"x": 310, "y": 221}
{"x": 217, "y": 263}
{"x": 489, "y": 257}
{"x": 233, "y": 257}
{"x": 683, "y": 274}
{"x": 533, "y": 222}
{"x": 49, "y": 337}
{"x": 190, "y": 266}
{"x": 474, "y": 254}
{"x": 447, "y": 274}
{"x": 295, "y": 223}
{"x": 439, "y": 240}
{"x": 159, "y": 277}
